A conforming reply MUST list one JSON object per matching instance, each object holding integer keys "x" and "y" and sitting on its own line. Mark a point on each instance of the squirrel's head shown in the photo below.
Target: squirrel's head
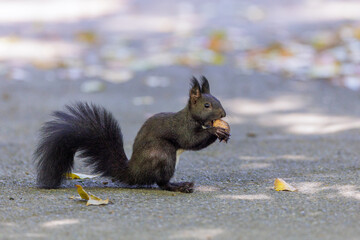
{"x": 204, "y": 107}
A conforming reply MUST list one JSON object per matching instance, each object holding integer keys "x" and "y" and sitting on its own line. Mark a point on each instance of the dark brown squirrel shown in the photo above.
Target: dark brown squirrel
{"x": 94, "y": 133}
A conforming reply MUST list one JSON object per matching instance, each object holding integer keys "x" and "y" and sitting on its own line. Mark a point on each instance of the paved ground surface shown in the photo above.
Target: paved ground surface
{"x": 304, "y": 132}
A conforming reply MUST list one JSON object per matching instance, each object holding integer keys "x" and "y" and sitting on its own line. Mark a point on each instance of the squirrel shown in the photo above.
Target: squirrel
{"x": 92, "y": 131}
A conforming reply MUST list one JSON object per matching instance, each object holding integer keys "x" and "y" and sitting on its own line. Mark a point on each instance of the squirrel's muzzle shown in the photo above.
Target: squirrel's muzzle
{"x": 223, "y": 114}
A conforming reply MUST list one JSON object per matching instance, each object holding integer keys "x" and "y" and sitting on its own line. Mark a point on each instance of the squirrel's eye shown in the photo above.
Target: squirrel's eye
{"x": 207, "y": 105}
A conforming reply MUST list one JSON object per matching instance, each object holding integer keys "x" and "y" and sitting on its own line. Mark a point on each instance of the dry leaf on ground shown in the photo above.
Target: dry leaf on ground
{"x": 84, "y": 195}
{"x": 96, "y": 201}
{"x": 87, "y": 37}
{"x": 79, "y": 176}
{"x": 91, "y": 199}
{"x": 281, "y": 185}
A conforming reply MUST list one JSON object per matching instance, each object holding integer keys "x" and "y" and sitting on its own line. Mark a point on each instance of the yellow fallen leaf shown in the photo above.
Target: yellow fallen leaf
{"x": 91, "y": 199}
{"x": 44, "y": 65}
{"x": 218, "y": 59}
{"x": 82, "y": 193}
{"x": 217, "y": 41}
{"x": 97, "y": 201}
{"x": 71, "y": 176}
{"x": 281, "y": 185}
{"x": 87, "y": 37}
{"x": 79, "y": 176}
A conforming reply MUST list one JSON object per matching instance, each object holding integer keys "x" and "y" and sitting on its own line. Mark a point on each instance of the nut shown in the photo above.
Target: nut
{"x": 222, "y": 124}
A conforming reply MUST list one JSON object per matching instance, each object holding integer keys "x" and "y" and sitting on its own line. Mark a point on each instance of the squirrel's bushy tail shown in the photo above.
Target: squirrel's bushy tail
{"x": 86, "y": 128}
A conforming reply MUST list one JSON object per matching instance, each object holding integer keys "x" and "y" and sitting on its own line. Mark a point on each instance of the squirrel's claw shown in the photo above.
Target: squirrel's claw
{"x": 221, "y": 134}
{"x": 225, "y": 140}
{"x": 184, "y": 187}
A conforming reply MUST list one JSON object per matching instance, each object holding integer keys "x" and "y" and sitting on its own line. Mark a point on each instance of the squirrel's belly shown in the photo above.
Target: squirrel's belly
{"x": 178, "y": 153}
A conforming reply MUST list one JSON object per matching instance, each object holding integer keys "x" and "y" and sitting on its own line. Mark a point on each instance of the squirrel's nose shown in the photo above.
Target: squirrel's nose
{"x": 223, "y": 114}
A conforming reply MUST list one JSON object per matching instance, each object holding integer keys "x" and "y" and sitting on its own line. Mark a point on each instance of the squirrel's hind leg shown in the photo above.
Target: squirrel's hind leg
{"x": 185, "y": 187}
{"x": 157, "y": 161}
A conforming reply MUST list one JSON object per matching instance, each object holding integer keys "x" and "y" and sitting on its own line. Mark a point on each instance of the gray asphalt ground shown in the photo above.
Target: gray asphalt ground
{"x": 306, "y": 132}
{"x": 234, "y": 197}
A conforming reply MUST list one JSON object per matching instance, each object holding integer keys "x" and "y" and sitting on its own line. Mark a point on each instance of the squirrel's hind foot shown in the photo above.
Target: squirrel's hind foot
{"x": 184, "y": 187}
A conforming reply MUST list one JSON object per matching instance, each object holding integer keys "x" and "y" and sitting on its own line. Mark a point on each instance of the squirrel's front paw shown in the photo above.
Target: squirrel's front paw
{"x": 221, "y": 133}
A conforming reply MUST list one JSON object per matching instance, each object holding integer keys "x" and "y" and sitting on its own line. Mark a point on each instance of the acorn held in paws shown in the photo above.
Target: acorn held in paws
{"x": 221, "y": 124}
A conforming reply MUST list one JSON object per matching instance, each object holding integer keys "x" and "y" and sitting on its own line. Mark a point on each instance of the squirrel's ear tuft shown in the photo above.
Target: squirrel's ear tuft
{"x": 195, "y": 92}
{"x": 205, "y": 87}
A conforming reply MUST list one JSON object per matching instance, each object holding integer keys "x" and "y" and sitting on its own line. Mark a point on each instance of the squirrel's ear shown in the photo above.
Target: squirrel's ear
{"x": 195, "y": 92}
{"x": 205, "y": 87}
